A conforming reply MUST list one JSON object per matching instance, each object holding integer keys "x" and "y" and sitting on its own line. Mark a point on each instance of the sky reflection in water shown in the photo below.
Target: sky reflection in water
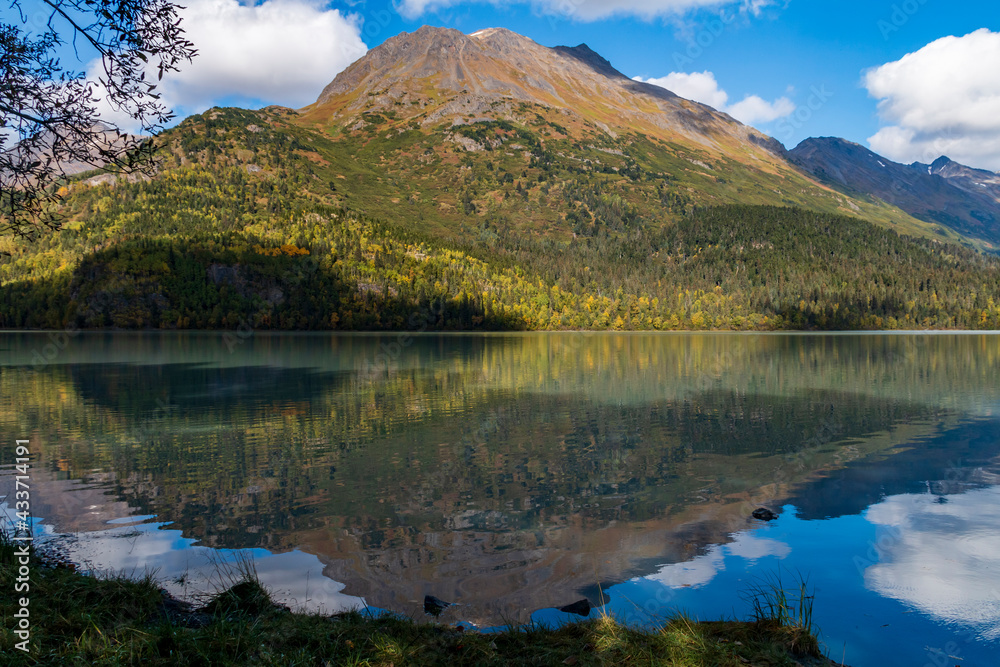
{"x": 518, "y": 473}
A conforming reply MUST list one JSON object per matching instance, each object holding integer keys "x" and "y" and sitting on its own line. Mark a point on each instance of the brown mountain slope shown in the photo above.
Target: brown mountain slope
{"x": 496, "y": 64}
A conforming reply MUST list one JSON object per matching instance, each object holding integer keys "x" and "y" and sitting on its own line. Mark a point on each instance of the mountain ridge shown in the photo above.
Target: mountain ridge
{"x": 944, "y": 192}
{"x": 972, "y": 180}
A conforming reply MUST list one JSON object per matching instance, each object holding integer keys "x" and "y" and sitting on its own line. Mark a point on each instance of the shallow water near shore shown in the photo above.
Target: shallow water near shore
{"x": 517, "y": 473}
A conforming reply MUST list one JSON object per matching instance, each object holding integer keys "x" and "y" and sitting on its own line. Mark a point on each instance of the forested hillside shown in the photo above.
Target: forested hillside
{"x": 243, "y": 229}
{"x": 485, "y": 182}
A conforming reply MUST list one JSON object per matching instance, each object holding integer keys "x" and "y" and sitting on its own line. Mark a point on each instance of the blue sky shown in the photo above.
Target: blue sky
{"x": 878, "y": 72}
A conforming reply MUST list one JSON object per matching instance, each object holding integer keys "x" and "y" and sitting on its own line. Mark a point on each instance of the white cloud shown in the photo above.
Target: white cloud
{"x": 295, "y": 577}
{"x": 753, "y": 548}
{"x": 941, "y": 100}
{"x": 700, "y": 570}
{"x": 754, "y": 109}
{"x": 278, "y": 51}
{"x": 696, "y": 572}
{"x": 591, "y": 10}
{"x": 698, "y": 86}
{"x": 702, "y": 87}
{"x": 942, "y": 558}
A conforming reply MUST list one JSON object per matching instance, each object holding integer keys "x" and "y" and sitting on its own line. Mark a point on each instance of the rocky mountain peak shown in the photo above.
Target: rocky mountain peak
{"x": 438, "y": 75}
{"x": 946, "y": 192}
{"x": 978, "y": 183}
{"x": 940, "y": 163}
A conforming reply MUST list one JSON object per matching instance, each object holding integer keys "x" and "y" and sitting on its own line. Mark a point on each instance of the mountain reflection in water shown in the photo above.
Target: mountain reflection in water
{"x": 516, "y": 473}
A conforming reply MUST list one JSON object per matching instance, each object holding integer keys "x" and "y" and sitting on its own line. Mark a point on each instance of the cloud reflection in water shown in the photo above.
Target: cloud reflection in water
{"x": 942, "y": 557}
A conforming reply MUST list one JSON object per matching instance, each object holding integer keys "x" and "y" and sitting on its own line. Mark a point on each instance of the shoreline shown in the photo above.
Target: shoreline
{"x": 114, "y": 619}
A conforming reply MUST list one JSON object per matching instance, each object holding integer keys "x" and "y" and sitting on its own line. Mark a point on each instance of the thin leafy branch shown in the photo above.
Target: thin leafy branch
{"x": 50, "y": 121}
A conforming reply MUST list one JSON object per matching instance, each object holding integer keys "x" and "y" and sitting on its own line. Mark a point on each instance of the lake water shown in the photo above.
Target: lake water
{"x": 516, "y": 473}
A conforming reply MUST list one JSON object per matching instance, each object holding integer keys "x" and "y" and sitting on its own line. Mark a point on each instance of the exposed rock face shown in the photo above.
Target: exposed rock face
{"x": 437, "y": 73}
{"x": 966, "y": 200}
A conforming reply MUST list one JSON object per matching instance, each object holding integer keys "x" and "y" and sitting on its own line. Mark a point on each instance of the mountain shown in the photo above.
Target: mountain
{"x": 439, "y": 74}
{"x": 450, "y": 181}
{"x": 495, "y": 101}
{"x": 963, "y": 199}
{"x": 973, "y": 181}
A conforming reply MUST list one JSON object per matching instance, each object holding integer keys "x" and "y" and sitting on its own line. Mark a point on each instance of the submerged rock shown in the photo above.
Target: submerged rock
{"x": 764, "y": 514}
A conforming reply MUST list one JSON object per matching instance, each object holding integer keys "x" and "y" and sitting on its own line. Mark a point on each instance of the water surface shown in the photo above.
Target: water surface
{"x": 517, "y": 473}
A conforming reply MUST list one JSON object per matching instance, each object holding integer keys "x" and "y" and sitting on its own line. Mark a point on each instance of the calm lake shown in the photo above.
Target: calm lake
{"x": 517, "y": 473}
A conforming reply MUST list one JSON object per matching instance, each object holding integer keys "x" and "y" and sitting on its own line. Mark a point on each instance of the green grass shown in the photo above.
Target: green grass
{"x": 121, "y": 620}
{"x": 786, "y": 607}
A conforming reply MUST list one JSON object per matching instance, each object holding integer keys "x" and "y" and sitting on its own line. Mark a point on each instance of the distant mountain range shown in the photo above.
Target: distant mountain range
{"x": 964, "y": 199}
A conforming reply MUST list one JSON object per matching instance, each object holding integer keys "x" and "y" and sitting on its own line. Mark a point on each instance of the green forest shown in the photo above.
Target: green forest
{"x": 249, "y": 228}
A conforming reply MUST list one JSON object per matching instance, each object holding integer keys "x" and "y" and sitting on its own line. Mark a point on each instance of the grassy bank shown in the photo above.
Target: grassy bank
{"x": 116, "y": 620}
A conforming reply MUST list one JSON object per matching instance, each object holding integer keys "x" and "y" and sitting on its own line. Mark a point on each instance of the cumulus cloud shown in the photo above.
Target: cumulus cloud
{"x": 698, "y": 86}
{"x": 293, "y": 576}
{"x": 702, "y": 87}
{"x": 591, "y": 10}
{"x": 277, "y": 51}
{"x": 752, "y": 548}
{"x": 696, "y": 572}
{"x": 941, "y": 100}
{"x": 754, "y": 109}
{"x": 700, "y": 570}
{"x": 943, "y": 558}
